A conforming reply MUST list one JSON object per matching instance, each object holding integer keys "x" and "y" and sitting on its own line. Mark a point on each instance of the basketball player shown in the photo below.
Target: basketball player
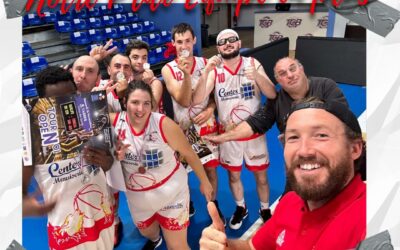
{"x": 77, "y": 199}
{"x": 238, "y": 83}
{"x": 138, "y": 52}
{"x": 156, "y": 182}
{"x": 181, "y": 77}
{"x": 86, "y": 73}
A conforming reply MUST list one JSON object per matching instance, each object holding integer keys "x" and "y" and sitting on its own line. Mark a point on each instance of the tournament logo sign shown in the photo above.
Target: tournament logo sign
{"x": 275, "y": 36}
{"x": 266, "y": 22}
{"x": 293, "y": 22}
{"x": 323, "y": 23}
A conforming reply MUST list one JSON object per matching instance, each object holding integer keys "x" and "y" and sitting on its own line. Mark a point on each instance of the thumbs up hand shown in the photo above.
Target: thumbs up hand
{"x": 213, "y": 236}
{"x": 250, "y": 71}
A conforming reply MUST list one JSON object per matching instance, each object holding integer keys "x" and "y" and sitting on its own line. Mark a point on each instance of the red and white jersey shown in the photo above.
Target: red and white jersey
{"x": 236, "y": 96}
{"x": 114, "y": 104}
{"x": 183, "y": 115}
{"x": 83, "y": 217}
{"x": 149, "y": 161}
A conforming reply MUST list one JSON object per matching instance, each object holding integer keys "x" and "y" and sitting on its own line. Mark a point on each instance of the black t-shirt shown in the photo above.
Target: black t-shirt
{"x": 277, "y": 109}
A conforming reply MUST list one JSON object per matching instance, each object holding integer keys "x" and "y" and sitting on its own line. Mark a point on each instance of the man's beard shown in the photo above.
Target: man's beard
{"x": 337, "y": 179}
{"x": 231, "y": 55}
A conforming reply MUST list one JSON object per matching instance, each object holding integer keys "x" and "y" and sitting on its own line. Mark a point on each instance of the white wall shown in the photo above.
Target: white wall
{"x": 246, "y": 15}
{"x": 218, "y": 20}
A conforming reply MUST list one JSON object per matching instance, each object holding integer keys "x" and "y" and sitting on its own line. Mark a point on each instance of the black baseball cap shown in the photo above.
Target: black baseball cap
{"x": 338, "y": 109}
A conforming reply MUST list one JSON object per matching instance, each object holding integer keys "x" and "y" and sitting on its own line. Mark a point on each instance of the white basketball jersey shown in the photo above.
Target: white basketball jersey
{"x": 236, "y": 96}
{"x": 114, "y": 104}
{"x": 183, "y": 115}
{"x": 83, "y": 217}
{"x": 149, "y": 161}
{"x": 112, "y": 98}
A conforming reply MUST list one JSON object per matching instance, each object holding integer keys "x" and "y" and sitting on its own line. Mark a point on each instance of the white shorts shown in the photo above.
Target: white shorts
{"x": 167, "y": 204}
{"x": 254, "y": 152}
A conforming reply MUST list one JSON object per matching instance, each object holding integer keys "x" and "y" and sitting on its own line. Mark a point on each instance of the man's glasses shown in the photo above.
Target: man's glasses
{"x": 231, "y": 39}
{"x": 292, "y": 68}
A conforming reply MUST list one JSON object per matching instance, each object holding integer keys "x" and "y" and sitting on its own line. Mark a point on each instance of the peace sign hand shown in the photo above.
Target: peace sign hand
{"x": 101, "y": 52}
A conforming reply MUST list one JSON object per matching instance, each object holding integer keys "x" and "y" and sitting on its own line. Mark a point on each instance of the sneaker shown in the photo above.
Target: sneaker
{"x": 150, "y": 245}
{"x": 265, "y": 214}
{"x": 220, "y": 213}
{"x": 192, "y": 211}
{"x": 237, "y": 218}
{"x": 118, "y": 231}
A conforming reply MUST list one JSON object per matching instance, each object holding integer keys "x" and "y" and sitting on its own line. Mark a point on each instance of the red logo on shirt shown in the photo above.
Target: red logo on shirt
{"x": 179, "y": 76}
{"x": 221, "y": 77}
{"x": 121, "y": 134}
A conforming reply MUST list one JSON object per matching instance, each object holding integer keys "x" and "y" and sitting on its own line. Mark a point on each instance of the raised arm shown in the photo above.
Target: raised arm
{"x": 206, "y": 81}
{"x": 256, "y": 72}
{"x": 101, "y": 52}
{"x": 157, "y": 89}
{"x": 182, "y": 93}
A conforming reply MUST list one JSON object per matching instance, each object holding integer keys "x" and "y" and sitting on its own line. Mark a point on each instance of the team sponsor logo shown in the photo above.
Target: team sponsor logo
{"x": 323, "y": 22}
{"x": 152, "y": 158}
{"x": 152, "y": 137}
{"x": 172, "y": 206}
{"x": 275, "y": 36}
{"x": 197, "y": 73}
{"x": 73, "y": 169}
{"x": 257, "y": 157}
{"x": 129, "y": 156}
{"x": 293, "y": 22}
{"x": 281, "y": 238}
{"x": 55, "y": 170}
{"x": 247, "y": 91}
{"x": 266, "y": 22}
{"x": 228, "y": 94}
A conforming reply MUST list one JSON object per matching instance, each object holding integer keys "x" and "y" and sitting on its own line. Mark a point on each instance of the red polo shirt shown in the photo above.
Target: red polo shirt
{"x": 339, "y": 224}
